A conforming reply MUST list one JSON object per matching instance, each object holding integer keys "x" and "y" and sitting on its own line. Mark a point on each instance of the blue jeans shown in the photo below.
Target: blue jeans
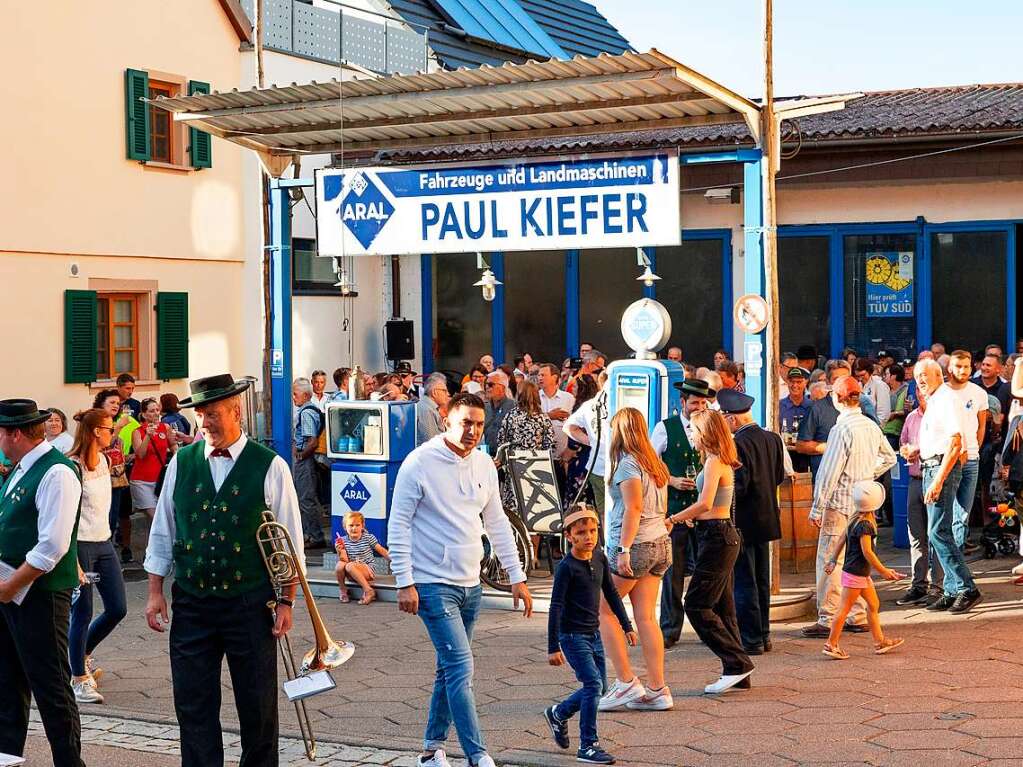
{"x": 450, "y": 613}
{"x": 585, "y": 654}
{"x": 83, "y": 636}
{"x": 939, "y": 531}
{"x": 964, "y": 501}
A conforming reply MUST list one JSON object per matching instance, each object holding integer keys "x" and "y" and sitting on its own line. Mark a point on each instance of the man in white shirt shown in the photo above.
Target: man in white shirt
{"x": 941, "y": 444}
{"x": 557, "y": 404}
{"x": 972, "y": 400}
{"x": 582, "y": 426}
{"x": 204, "y": 532}
{"x": 442, "y": 491}
{"x": 38, "y": 512}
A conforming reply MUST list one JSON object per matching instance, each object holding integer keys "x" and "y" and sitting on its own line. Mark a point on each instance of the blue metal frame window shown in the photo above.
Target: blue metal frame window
{"x": 923, "y": 269}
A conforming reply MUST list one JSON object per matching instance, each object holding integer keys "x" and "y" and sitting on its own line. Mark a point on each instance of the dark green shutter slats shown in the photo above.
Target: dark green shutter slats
{"x": 79, "y": 336}
{"x": 136, "y": 89}
{"x": 199, "y": 142}
{"x": 171, "y": 335}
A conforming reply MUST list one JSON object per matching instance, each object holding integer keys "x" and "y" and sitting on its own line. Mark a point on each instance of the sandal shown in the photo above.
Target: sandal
{"x": 1019, "y": 581}
{"x": 343, "y": 596}
{"x": 835, "y": 652}
{"x": 887, "y": 646}
{"x": 368, "y": 596}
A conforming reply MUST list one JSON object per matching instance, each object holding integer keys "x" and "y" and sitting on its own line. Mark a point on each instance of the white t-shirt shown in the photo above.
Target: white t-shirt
{"x": 63, "y": 442}
{"x": 586, "y": 419}
{"x": 973, "y": 400}
{"x": 942, "y": 420}
{"x": 561, "y": 400}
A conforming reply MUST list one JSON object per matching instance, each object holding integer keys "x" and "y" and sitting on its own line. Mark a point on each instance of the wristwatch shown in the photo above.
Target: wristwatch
{"x": 622, "y": 550}
{"x": 286, "y": 602}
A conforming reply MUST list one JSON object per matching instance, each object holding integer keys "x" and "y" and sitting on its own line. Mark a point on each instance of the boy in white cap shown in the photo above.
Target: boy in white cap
{"x": 573, "y": 631}
{"x": 860, "y": 559}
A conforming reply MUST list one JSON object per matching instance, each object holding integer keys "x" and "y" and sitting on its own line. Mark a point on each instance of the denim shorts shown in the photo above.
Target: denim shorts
{"x": 648, "y": 558}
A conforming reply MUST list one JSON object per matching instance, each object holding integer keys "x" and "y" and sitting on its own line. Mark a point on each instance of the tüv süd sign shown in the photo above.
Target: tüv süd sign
{"x": 621, "y": 201}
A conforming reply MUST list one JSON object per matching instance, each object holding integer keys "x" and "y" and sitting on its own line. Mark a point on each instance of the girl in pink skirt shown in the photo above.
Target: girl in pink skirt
{"x": 860, "y": 559}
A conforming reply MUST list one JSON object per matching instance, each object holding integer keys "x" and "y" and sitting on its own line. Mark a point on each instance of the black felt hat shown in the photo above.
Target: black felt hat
{"x": 21, "y": 412}
{"x": 212, "y": 389}
{"x": 695, "y": 387}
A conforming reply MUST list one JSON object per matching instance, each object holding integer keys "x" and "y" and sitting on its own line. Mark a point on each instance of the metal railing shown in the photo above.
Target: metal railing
{"x": 342, "y": 33}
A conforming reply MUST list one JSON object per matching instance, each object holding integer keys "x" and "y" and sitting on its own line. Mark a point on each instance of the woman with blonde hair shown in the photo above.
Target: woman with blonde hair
{"x": 709, "y": 601}
{"x": 639, "y": 551}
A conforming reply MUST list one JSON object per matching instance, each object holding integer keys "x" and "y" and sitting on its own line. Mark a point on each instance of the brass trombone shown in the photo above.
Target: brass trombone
{"x": 278, "y": 551}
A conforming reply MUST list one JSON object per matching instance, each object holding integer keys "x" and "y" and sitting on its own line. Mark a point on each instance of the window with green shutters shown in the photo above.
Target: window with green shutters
{"x": 80, "y": 336}
{"x": 136, "y": 90}
{"x": 150, "y": 132}
{"x": 199, "y": 142}
{"x": 171, "y": 335}
{"x": 105, "y": 334}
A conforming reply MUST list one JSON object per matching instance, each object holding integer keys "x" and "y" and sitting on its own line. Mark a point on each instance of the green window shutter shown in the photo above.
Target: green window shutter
{"x": 199, "y": 142}
{"x": 79, "y": 336}
{"x": 136, "y": 89}
{"x": 171, "y": 335}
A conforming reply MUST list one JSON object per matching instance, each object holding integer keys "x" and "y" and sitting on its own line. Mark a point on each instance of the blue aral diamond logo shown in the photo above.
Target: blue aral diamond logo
{"x": 355, "y": 494}
{"x": 365, "y": 210}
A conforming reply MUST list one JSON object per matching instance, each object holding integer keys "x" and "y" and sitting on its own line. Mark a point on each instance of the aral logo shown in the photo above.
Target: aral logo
{"x": 644, "y": 325}
{"x": 355, "y": 494}
{"x": 365, "y": 210}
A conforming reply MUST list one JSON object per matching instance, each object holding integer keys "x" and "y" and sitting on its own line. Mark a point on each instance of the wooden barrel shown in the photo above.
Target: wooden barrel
{"x": 798, "y": 535}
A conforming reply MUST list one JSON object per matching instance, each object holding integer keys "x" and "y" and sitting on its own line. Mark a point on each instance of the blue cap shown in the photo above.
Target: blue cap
{"x": 733, "y": 402}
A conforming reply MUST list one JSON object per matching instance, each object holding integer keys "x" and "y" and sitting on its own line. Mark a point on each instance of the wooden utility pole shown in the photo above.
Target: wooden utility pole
{"x": 771, "y": 161}
{"x": 264, "y": 253}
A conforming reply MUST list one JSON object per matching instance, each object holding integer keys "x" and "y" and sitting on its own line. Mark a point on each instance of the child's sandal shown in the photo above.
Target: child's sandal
{"x": 887, "y": 646}
{"x": 343, "y": 596}
{"x": 835, "y": 652}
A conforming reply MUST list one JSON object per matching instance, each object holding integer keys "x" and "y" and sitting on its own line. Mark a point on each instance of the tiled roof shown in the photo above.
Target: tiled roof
{"x": 918, "y": 112}
{"x": 578, "y": 27}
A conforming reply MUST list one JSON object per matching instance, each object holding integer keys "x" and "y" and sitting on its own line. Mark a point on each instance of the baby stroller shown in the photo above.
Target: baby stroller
{"x": 1001, "y": 535}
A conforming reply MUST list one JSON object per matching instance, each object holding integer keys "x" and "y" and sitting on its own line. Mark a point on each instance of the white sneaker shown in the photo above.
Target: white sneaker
{"x": 486, "y": 761}
{"x": 439, "y": 759}
{"x": 1018, "y": 569}
{"x": 650, "y": 700}
{"x": 726, "y": 682}
{"x": 86, "y": 692}
{"x": 620, "y": 694}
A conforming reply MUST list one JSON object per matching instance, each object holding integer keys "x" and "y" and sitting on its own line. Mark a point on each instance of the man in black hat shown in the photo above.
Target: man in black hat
{"x": 39, "y": 505}
{"x": 672, "y": 439}
{"x": 408, "y": 376}
{"x": 762, "y": 456}
{"x": 211, "y": 506}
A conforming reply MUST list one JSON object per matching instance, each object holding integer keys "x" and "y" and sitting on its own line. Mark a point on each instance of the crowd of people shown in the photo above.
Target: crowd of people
{"x": 646, "y": 506}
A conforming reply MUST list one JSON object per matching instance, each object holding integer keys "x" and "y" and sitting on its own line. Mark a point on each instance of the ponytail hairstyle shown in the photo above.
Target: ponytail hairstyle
{"x": 85, "y": 434}
{"x": 715, "y": 437}
{"x": 629, "y": 437}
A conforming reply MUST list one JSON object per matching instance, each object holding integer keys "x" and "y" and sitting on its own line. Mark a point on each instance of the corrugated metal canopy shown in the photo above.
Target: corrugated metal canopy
{"x": 576, "y": 97}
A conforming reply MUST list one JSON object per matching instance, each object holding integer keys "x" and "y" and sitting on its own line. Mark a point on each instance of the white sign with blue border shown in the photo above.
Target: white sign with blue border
{"x": 576, "y": 202}
{"x": 365, "y": 492}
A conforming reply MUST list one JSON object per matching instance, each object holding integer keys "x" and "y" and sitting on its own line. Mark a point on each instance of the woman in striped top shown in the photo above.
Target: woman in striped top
{"x": 355, "y": 553}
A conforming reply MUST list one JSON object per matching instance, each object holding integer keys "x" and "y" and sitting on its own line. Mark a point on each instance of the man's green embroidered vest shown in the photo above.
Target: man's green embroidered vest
{"x": 215, "y": 551}
{"x": 19, "y": 525}
{"x": 679, "y": 456}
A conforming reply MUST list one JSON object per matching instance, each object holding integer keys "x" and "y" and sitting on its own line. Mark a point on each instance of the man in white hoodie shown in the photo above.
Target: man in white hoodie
{"x": 445, "y": 493}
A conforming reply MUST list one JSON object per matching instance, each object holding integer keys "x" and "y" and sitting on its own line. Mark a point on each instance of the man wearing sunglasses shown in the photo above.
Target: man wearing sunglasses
{"x": 498, "y": 405}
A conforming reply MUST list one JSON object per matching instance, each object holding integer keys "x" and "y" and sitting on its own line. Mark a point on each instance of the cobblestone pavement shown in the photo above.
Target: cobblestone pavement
{"x": 950, "y": 696}
{"x": 105, "y": 736}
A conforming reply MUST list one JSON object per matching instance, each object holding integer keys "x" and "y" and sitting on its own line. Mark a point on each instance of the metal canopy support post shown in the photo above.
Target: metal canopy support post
{"x": 753, "y": 273}
{"x": 279, "y": 252}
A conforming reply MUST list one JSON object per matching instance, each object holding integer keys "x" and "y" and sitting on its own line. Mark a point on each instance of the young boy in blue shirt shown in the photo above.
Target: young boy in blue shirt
{"x": 573, "y": 631}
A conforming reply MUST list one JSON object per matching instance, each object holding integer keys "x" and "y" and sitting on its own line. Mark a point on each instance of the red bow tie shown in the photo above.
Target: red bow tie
{"x": 220, "y": 452}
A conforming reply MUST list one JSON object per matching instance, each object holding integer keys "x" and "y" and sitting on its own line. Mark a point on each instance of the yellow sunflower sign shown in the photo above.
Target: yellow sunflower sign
{"x": 889, "y": 284}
